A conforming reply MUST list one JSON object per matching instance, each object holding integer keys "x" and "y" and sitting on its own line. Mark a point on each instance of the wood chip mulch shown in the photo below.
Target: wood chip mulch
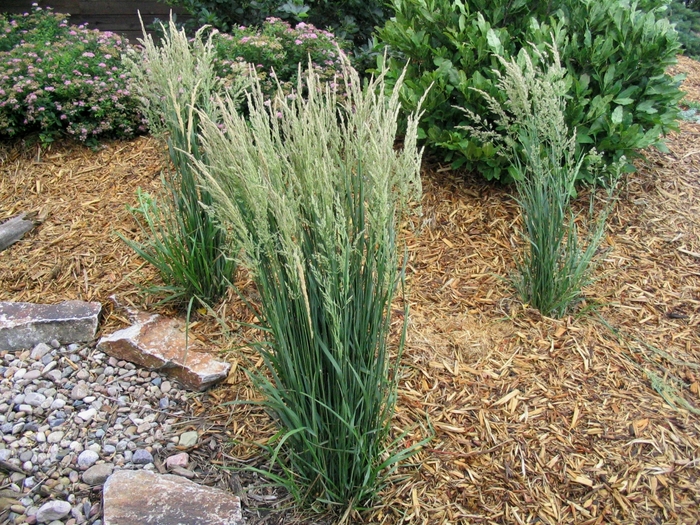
{"x": 591, "y": 419}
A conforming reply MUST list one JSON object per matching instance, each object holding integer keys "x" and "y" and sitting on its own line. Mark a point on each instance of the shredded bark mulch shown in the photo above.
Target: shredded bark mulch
{"x": 594, "y": 418}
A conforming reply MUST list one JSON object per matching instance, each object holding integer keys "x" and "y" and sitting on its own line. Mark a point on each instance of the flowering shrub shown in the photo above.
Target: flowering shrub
{"x": 348, "y": 19}
{"x": 58, "y": 78}
{"x": 276, "y": 50}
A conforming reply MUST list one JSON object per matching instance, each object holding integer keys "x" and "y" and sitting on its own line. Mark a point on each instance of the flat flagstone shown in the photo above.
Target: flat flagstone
{"x": 141, "y": 497}
{"x": 25, "y": 325}
{"x": 159, "y": 343}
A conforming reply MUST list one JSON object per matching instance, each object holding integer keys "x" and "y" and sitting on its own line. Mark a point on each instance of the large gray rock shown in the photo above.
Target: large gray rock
{"x": 141, "y": 497}
{"x": 159, "y": 343}
{"x": 25, "y": 325}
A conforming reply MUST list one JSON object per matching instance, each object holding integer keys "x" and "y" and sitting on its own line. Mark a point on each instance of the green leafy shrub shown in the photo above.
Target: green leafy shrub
{"x": 686, "y": 19}
{"x": 57, "y": 78}
{"x": 312, "y": 189}
{"x": 276, "y": 50}
{"x": 173, "y": 82}
{"x": 555, "y": 264}
{"x": 348, "y": 19}
{"x": 615, "y": 54}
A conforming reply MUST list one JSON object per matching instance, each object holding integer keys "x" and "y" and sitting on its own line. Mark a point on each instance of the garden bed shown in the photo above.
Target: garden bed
{"x": 590, "y": 419}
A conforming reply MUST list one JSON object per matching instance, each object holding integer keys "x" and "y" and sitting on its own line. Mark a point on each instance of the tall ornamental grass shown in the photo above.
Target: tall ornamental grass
{"x": 173, "y": 82}
{"x": 556, "y": 262}
{"x": 312, "y": 189}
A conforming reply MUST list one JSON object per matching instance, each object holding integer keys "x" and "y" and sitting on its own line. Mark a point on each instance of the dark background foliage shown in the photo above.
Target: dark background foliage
{"x": 349, "y": 19}
{"x": 686, "y": 17}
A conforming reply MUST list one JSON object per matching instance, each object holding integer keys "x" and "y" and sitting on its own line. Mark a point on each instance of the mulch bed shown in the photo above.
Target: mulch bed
{"x": 594, "y": 418}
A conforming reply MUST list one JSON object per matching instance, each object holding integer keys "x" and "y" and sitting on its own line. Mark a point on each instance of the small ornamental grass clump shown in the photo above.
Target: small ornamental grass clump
{"x": 312, "y": 190}
{"x": 173, "y": 82}
{"x": 57, "y": 78}
{"x": 530, "y": 129}
{"x": 275, "y": 50}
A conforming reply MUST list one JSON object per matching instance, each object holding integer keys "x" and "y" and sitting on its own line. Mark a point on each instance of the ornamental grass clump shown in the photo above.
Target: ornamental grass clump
{"x": 556, "y": 264}
{"x": 173, "y": 82}
{"x": 312, "y": 190}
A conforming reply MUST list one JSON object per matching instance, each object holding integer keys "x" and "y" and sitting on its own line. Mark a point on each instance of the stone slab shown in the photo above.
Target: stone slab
{"x": 159, "y": 343}
{"x": 14, "y": 229}
{"x": 25, "y": 325}
{"x": 141, "y": 497}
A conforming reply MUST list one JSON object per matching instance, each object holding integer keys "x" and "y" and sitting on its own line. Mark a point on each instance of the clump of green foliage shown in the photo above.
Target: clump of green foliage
{"x": 615, "y": 54}
{"x": 555, "y": 264}
{"x": 275, "y": 50}
{"x": 350, "y": 19}
{"x": 173, "y": 82}
{"x": 59, "y": 79}
{"x": 686, "y": 18}
{"x": 311, "y": 189}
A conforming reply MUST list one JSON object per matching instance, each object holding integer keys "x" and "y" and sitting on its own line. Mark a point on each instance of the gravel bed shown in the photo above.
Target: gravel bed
{"x": 70, "y": 415}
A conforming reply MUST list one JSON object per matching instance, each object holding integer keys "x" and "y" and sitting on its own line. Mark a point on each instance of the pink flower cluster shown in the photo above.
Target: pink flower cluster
{"x": 276, "y": 50}
{"x": 65, "y": 85}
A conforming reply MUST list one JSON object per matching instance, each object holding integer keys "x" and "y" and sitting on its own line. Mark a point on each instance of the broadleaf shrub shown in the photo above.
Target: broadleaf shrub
{"x": 615, "y": 54}
{"x": 57, "y": 78}
{"x": 348, "y": 19}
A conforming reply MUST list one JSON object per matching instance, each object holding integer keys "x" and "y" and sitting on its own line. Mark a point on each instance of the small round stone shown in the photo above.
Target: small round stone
{"x": 87, "y": 458}
{"x": 32, "y": 375}
{"x": 34, "y": 399}
{"x": 40, "y": 351}
{"x": 55, "y": 437}
{"x": 53, "y": 510}
{"x": 79, "y": 391}
{"x": 97, "y": 474}
{"x": 87, "y": 415}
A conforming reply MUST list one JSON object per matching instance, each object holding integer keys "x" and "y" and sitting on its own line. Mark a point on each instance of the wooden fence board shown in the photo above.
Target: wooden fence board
{"x": 119, "y": 16}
